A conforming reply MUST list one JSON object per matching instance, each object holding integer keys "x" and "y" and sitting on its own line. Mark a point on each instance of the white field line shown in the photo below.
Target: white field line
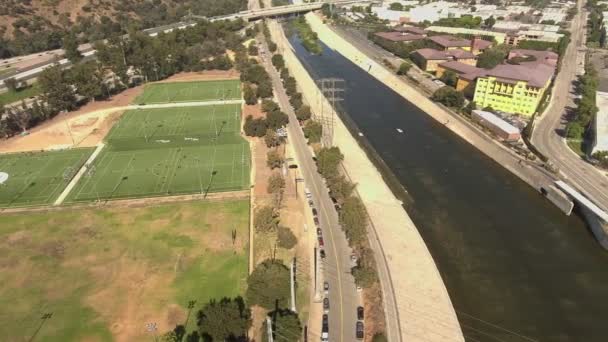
{"x": 79, "y": 174}
{"x": 185, "y": 104}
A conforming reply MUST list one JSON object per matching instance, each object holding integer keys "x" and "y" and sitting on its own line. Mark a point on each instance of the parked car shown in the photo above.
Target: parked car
{"x": 319, "y": 232}
{"x": 360, "y": 313}
{"x": 310, "y": 203}
{"x": 360, "y": 330}
{"x": 326, "y": 305}
{"x": 321, "y": 242}
{"x": 314, "y": 211}
{"x": 316, "y": 220}
{"x": 353, "y": 260}
{"x": 322, "y": 253}
{"x": 325, "y": 321}
{"x": 326, "y": 287}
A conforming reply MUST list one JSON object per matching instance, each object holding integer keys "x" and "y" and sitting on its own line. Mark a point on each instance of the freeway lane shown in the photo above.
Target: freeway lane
{"x": 343, "y": 296}
{"x": 546, "y": 138}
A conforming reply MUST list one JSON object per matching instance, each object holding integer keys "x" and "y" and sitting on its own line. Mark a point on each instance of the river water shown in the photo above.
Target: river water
{"x": 515, "y": 267}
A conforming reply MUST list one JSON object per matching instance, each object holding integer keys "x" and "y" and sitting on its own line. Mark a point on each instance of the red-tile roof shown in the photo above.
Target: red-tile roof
{"x": 399, "y": 36}
{"x": 410, "y": 29}
{"x": 547, "y": 57}
{"x": 432, "y": 54}
{"x": 450, "y": 41}
{"x": 480, "y": 44}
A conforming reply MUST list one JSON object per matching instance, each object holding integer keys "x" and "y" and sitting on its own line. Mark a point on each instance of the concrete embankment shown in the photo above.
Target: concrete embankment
{"x": 416, "y": 283}
{"x": 528, "y": 172}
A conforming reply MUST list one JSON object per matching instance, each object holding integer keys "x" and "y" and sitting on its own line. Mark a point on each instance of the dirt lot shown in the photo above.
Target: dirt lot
{"x": 89, "y": 124}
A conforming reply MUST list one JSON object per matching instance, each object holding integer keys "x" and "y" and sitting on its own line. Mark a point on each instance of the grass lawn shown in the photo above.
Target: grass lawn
{"x": 37, "y": 178}
{"x": 169, "y": 151}
{"x": 576, "y": 146}
{"x": 104, "y": 274}
{"x": 190, "y": 91}
{"x": 14, "y": 96}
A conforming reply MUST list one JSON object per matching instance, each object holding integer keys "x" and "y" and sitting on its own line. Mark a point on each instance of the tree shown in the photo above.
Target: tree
{"x": 353, "y": 219}
{"x": 296, "y": 100}
{"x": 276, "y": 183}
{"x": 449, "y": 97}
{"x": 88, "y": 80}
{"x": 286, "y": 325}
{"x": 313, "y": 131}
{"x": 449, "y": 78}
{"x": 489, "y": 22}
{"x": 226, "y": 320}
{"x": 11, "y": 84}
{"x": 285, "y": 238}
{"x": 404, "y": 68}
{"x": 328, "y": 160}
{"x": 341, "y": 188}
{"x": 255, "y": 127}
{"x": 278, "y": 61}
{"x": 276, "y": 119}
{"x": 268, "y": 285}
{"x": 266, "y": 219}
{"x": 249, "y": 94}
{"x": 70, "y": 46}
{"x": 396, "y": 6}
{"x": 575, "y": 130}
{"x": 365, "y": 272}
{"x": 303, "y": 113}
{"x": 272, "y": 47}
{"x": 274, "y": 160}
{"x": 468, "y": 109}
{"x": 272, "y": 139}
{"x": 491, "y": 57}
{"x": 269, "y": 106}
{"x": 57, "y": 90}
{"x": 264, "y": 89}
{"x": 252, "y": 50}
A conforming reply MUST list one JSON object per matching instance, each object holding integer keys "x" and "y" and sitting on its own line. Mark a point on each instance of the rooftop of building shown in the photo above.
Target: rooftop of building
{"x": 548, "y": 57}
{"x": 480, "y": 44}
{"x": 432, "y": 54}
{"x": 410, "y": 29}
{"x": 450, "y": 41}
{"x": 497, "y": 121}
{"x": 534, "y": 73}
{"x": 399, "y": 36}
{"x": 601, "y": 122}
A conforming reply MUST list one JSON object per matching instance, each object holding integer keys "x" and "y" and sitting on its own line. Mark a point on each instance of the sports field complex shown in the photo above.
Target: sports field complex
{"x": 148, "y": 152}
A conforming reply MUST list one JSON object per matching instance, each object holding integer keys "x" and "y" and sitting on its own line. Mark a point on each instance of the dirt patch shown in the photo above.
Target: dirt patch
{"x": 374, "y": 315}
{"x": 84, "y": 127}
{"x": 254, "y": 110}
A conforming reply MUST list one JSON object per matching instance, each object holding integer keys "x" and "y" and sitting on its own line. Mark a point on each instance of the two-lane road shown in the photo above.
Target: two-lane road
{"x": 343, "y": 295}
{"x": 546, "y": 137}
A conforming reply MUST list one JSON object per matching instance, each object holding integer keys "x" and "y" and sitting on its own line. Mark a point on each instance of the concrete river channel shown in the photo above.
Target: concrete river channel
{"x": 516, "y": 268}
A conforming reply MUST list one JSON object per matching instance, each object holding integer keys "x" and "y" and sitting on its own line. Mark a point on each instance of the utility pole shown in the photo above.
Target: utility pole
{"x": 293, "y": 285}
{"x": 269, "y": 327}
{"x": 331, "y": 89}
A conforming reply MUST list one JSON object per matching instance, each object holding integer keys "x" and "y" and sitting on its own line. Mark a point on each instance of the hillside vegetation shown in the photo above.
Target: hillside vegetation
{"x": 29, "y": 26}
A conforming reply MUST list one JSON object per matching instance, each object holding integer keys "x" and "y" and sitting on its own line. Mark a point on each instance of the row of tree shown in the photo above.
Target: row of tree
{"x": 596, "y": 32}
{"x": 124, "y": 62}
{"x": 579, "y": 125}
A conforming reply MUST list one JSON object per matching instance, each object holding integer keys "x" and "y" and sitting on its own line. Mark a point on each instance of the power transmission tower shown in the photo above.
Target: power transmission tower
{"x": 331, "y": 89}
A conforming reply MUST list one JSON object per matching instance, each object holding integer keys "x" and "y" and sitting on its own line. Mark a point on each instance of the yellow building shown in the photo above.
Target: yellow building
{"x": 513, "y": 88}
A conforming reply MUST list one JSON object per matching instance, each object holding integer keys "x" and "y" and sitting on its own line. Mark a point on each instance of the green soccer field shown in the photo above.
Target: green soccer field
{"x": 37, "y": 178}
{"x": 190, "y": 92}
{"x": 165, "y": 171}
{"x": 181, "y": 125}
{"x": 169, "y": 151}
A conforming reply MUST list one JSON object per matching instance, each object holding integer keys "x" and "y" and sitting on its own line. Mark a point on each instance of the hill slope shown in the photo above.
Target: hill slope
{"x": 28, "y": 26}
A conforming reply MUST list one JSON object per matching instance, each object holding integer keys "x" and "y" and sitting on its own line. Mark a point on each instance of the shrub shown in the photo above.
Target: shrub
{"x": 266, "y": 219}
{"x": 449, "y": 97}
